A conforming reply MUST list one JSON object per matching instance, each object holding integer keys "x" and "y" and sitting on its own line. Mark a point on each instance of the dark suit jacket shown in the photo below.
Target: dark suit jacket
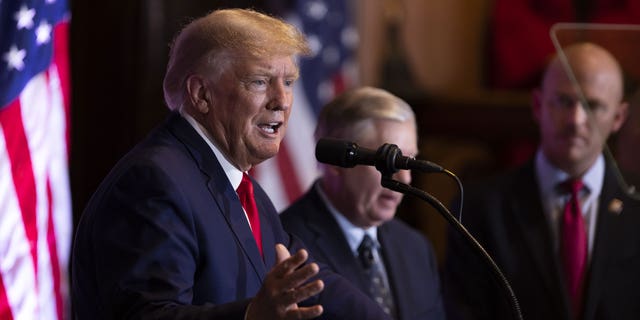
{"x": 506, "y": 216}
{"x": 165, "y": 237}
{"x": 408, "y": 256}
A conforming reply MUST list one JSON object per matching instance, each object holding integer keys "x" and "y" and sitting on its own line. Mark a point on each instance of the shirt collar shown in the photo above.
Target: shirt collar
{"x": 353, "y": 233}
{"x": 550, "y": 176}
{"x": 233, "y": 174}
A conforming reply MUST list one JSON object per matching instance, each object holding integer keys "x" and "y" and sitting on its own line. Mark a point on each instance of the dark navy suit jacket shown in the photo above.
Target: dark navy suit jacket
{"x": 408, "y": 257}
{"x": 165, "y": 237}
{"x": 505, "y": 215}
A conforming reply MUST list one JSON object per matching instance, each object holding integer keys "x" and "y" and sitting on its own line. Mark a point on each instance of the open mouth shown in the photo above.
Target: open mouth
{"x": 271, "y": 127}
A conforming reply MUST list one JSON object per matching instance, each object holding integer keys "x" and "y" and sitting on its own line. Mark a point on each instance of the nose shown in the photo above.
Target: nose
{"x": 579, "y": 113}
{"x": 279, "y": 97}
{"x": 403, "y": 176}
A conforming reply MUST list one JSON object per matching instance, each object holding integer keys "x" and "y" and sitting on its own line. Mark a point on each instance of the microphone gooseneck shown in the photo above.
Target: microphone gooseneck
{"x": 388, "y": 158}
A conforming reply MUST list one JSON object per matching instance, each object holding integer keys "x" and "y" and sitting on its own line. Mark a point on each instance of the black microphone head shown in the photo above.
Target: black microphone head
{"x": 336, "y": 152}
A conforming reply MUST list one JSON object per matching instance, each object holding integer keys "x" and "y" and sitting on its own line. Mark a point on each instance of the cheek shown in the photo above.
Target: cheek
{"x": 369, "y": 176}
{"x": 603, "y": 130}
{"x": 246, "y": 103}
{"x": 362, "y": 180}
{"x": 552, "y": 123}
{"x": 287, "y": 113}
{"x": 370, "y": 186}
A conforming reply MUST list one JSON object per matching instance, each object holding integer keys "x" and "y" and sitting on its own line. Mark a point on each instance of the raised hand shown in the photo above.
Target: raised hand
{"x": 285, "y": 286}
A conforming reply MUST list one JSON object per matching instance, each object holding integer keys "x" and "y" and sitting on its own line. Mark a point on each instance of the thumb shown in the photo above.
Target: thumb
{"x": 282, "y": 253}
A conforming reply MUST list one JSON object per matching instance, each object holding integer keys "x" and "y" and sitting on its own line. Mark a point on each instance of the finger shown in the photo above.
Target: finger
{"x": 305, "y": 312}
{"x": 281, "y": 253}
{"x": 299, "y": 276}
{"x": 291, "y": 263}
{"x": 302, "y": 293}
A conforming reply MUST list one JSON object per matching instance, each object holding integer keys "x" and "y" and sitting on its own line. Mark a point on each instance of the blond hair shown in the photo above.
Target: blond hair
{"x": 205, "y": 43}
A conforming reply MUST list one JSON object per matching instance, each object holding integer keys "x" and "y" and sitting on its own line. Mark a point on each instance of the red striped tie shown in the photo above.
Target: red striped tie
{"x": 245, "y": 192}
{"x": 574, "y": 246}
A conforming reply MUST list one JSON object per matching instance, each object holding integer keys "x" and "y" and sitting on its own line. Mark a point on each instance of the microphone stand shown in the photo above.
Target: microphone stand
{"x": 386, "y": 165}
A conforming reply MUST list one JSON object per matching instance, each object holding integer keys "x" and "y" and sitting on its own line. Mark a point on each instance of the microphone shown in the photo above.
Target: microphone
{"x": 387, "y": 159}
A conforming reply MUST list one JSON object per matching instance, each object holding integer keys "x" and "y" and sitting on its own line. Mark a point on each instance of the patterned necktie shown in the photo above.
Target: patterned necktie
{"x": 574, "y": 245}
{"x": 245, "y": 192}
{"x": 377, "y": 284}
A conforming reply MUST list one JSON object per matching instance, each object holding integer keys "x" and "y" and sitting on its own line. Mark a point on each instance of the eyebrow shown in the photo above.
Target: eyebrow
{"x": 268, "y": 69}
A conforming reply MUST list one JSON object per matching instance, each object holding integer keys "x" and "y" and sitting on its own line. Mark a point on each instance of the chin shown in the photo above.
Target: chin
{"x": 386, "y": 216}
{"x": 267, "y": 149}
{"x": 263, "y": 156}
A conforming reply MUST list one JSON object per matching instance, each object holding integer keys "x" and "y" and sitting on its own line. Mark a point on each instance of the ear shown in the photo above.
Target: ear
{"x": 198, "y": 93}
{"x": 536, "y": 104}
{"x": 620, "y": 116}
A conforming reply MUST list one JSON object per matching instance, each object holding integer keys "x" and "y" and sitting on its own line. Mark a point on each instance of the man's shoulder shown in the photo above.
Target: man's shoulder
{"x": 306, "y": 205}
{"x": 404, "y": 233}
{"x": 405, "y": 241}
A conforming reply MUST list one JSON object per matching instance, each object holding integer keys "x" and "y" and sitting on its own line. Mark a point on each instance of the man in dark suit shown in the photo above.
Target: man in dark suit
{"x": 165, "y": 236}
{"x": 347, "y": 205}
{"x": 568, "y": 254}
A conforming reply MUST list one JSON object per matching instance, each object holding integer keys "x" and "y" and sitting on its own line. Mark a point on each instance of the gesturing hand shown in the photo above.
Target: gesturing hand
{"x": 285, "y": 286}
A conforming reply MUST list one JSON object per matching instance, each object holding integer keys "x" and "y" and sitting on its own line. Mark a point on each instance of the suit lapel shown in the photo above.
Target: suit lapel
{"x": 332, "y": 244}
{"x": 606, "y": 238}
{"x": 231, "y": 208}
{"x": 218, "y": 185}
{"x": 268, "y": 236}
{"x": 532, "y": 224}
{"x": 398, "y": 277}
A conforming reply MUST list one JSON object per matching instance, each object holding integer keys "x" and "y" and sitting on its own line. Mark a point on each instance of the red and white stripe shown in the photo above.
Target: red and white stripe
{"x": 35, "y": 200}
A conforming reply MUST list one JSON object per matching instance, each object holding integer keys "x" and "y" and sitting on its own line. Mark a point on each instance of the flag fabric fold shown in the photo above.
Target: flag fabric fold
{"x": 35, "y": 201}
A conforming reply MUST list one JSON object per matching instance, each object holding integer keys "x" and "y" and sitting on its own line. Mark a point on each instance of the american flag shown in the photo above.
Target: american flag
{"x": 331, "y": 69}
{"x": 35, "y": 201}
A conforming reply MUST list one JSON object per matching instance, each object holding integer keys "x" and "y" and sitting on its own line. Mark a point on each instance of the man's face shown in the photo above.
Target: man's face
{"x": 360, "y": 197}
{"x": 250, "y": 106}
{"x": 573, "y": 135}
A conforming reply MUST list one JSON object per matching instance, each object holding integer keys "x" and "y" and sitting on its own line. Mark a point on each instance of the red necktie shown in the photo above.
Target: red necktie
{"x": 245, "y": 192}
{"x": 574, "y": 246}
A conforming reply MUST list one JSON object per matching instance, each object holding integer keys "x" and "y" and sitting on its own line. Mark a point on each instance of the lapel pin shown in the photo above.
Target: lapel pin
{"x": 615, "y": 206}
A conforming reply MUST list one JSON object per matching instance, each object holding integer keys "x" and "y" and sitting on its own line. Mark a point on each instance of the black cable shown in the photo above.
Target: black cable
{"x": 460, "y": 191}
{"x": 389, "y": 183}
{"x": 629, "y": 190}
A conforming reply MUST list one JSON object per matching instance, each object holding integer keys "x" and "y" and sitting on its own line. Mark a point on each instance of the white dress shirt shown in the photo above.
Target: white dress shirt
{"x": 553, "y": 200}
